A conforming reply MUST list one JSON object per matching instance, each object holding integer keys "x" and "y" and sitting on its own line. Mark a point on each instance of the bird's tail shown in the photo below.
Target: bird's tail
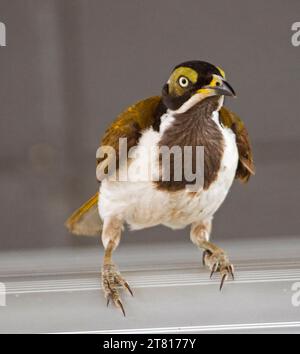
{"x": 86, "y": 221}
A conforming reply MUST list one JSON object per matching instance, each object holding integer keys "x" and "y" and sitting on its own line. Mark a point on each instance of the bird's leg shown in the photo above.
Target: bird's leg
{"x": 111, "y": 277}
{"x": 214, "y": 257}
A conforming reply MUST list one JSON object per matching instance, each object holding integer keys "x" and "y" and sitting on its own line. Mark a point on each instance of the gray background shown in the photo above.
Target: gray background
{"x": 70, "y": 67}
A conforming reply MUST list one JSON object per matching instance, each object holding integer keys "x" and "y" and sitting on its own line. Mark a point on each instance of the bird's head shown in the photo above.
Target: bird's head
{"x": 192, "y": 82}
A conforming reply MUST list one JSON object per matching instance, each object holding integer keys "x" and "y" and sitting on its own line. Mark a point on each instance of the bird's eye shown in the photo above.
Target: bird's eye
{"x": 183, "y": 81}
{"x": 218, "y": 83}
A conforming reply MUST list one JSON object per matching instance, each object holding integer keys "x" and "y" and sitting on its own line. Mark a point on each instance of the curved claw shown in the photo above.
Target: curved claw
{"x": 214, "y": 268}
{"x": 120, "y": 305}
{"x": 224, "y": 277}
{"x": 218, "y": 262}
{"x": 203, "y": 258}
{"x": 206, "y": 252}
{"x": 231, "y": 271}
{"x": 128, "y": 288}
{"x": 111, "y": 281}
{"x": 122, "y": 282}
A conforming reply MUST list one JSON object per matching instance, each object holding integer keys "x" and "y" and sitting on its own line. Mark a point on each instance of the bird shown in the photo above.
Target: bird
{"x": 189, "y": 112}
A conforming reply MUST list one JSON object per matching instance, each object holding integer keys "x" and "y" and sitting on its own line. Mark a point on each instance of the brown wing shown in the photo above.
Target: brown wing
{"x": 246, "y": 166}
{"x": 129, "y": 125}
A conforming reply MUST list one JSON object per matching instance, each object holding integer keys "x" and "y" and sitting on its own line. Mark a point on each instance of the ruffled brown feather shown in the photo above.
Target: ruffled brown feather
{"x": 246, "y": 166}
{"x": 129, "y": 124}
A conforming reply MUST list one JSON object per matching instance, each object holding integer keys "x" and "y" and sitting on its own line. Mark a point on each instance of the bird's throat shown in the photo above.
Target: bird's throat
{"x": 191, "y": 129}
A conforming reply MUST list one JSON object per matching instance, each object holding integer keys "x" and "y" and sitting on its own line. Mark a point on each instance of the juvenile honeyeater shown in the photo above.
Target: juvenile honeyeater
{"x": 188, "y": 113}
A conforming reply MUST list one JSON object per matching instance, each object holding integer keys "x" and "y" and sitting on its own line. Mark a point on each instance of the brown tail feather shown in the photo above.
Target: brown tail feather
{"x": 86, "y": 221}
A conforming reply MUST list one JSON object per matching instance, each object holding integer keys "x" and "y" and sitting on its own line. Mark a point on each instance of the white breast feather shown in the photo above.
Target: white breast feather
{"x": 141, "y": 205}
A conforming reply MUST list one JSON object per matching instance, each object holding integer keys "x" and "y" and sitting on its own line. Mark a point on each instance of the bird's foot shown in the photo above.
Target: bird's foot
{"x": 111, "y": 282}
{"x": 218, "y": 262}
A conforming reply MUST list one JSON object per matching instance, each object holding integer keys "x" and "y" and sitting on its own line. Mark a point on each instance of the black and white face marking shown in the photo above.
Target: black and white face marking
{"x": 191, "y": 82}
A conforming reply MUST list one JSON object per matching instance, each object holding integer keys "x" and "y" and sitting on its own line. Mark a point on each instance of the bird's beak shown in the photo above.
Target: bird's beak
{"x": 217, "y": 87}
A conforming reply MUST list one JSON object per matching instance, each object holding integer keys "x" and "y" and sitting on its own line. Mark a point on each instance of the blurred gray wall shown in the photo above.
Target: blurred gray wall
{"x": 70, "y": 66}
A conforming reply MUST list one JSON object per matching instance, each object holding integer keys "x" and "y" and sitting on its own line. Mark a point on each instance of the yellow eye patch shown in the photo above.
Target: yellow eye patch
{"x": 190, "y": 74}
